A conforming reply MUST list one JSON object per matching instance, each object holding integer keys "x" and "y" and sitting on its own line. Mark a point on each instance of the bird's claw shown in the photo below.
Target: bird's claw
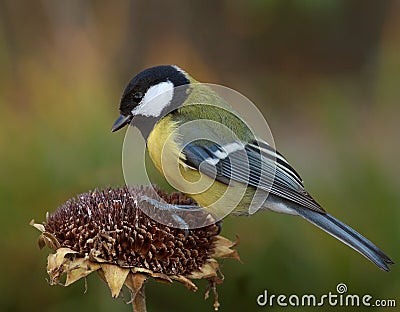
{"x": 182, "y": 224}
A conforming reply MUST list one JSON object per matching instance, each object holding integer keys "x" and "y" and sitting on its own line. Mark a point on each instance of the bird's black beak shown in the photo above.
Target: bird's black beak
{"x": 121, "y": 122}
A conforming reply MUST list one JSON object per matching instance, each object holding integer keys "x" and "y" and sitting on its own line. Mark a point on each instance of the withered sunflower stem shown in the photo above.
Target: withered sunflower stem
{"x": 139, "y": 302}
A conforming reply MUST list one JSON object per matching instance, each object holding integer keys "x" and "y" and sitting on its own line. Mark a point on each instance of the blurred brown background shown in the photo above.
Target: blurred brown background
{"x": 325, "y": 74}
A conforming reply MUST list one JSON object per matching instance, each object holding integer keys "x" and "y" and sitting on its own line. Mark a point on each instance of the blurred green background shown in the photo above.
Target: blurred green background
{"x": 325, "y": 74}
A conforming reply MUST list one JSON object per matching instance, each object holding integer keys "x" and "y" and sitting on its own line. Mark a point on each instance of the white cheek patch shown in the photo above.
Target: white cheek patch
{"x": 180, "y": 70}
{"x": 155, "y": 100}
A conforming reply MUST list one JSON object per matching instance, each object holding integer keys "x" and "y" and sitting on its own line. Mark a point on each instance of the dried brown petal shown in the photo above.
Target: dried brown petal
{"x": 115, "y": 277}
{"x": 134, "y": 282}
{"x": 59, "y": 263}
{"x": 185, "y": 281}
{"x": 223, "y": 248}
{"x": 80, "y": 267}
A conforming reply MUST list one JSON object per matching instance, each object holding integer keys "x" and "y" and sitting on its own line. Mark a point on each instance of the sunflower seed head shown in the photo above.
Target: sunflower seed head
{"x": 109, "y": 226}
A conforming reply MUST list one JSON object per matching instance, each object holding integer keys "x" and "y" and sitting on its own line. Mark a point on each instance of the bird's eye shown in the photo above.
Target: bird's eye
{"x": 137, "y": 96}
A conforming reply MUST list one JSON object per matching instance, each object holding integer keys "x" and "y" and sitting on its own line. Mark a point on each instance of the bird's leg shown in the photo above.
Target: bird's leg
{"x": 181, "y": 222}
{"x": 165, "y": 206}
{"x": 219, "y": 224}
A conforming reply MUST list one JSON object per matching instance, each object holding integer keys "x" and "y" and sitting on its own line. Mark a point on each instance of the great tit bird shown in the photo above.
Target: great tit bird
{"x": 235, "y": 160}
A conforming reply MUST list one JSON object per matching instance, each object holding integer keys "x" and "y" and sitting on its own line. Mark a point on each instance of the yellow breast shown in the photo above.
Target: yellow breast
{"x": 165, "y": 152}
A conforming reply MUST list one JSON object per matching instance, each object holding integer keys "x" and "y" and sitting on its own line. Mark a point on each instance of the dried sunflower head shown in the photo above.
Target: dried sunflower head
{"x": 107, "y": 232}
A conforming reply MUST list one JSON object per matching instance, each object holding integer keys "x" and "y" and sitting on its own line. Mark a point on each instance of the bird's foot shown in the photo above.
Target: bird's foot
{"x": 182, "y": 224}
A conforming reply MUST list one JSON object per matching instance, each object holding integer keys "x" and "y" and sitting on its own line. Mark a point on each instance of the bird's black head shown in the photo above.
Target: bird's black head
{"x": 149, "y": 93}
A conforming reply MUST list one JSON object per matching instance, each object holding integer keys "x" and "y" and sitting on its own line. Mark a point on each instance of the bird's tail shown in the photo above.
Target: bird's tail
{"x": 347, "y": 235}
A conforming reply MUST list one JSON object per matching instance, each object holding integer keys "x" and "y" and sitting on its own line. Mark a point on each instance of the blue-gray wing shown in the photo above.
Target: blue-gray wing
{"x": 256, "y": 164}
